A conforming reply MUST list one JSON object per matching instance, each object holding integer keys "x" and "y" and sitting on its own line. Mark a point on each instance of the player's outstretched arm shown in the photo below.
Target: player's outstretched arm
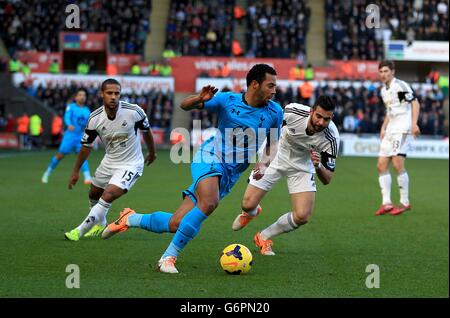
{"x": 82, "y": 156}
{"x": 196, "y": 101}
{"x": 149, "y": 141}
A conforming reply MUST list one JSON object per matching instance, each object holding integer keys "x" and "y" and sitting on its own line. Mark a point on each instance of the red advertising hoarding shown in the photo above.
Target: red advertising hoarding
{"x": 9, "y": 141}
{"x": 186, "y": 69}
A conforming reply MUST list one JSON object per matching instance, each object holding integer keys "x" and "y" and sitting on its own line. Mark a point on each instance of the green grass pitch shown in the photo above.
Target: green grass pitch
{"x": 326, "y": 258}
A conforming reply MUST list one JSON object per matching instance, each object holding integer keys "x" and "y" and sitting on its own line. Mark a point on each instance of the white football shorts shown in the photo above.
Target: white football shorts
{"x": 124, "y": 177}
{"x": 297, "y": 181}
{"x": 395, "y": 144}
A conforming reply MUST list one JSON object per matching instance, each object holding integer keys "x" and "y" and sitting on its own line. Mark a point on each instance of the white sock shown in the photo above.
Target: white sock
{"x": 403, "y": 185}
{"x": 385, "y": 181}
{"x": 96, "y": 215}
{"x": 92, "y": 202}
{"x": 253, "y": 212}
{"x": 283, "y": 225}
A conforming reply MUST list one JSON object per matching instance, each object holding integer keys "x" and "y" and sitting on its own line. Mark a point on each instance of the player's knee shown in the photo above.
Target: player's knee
{"x": 301, "y": 217}
{"x": 381, "y": 167}
{"x": 108, "y": 196}
{"x": 208, "y": 205}
{"x": 174, "y": 223}
{"x": 248, "y": 204}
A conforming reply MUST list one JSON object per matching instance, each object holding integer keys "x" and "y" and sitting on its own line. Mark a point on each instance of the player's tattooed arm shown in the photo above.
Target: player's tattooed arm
{"x": 82, "y": 156}
{"x": 197, "y": 101}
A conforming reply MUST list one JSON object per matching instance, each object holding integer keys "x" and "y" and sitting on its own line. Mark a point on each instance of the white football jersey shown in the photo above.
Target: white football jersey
{"x": 295, "y": 144}
{"x": 119, "y": 135}
{"x": 397, "y": 98}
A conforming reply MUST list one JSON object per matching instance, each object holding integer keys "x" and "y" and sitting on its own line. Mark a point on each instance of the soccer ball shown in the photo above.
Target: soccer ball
{"x": 236, "y": 259}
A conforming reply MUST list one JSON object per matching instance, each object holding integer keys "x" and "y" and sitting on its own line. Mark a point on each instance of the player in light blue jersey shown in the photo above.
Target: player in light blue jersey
{"x": 75, "y": 119}
{"x": 245, "y": 121}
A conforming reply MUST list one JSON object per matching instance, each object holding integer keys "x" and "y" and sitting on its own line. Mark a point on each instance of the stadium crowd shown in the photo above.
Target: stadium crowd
{"x": 156, "y": 103}
{"x": 348, "y": 37}
{"x": 277, "y": 28}
{"x": 359, "y": 109}
{"x": 200, "y": 27}
{"x": 29, "y": 25}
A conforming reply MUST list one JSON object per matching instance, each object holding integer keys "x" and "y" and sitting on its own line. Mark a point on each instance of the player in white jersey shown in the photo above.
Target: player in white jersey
{"x": 399, "y": 127}
{"x": 116, "y": 123}
{"x": 308, "y": 146}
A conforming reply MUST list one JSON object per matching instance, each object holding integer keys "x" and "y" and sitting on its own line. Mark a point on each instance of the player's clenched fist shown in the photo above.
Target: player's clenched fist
{"x": 315, "y": 158}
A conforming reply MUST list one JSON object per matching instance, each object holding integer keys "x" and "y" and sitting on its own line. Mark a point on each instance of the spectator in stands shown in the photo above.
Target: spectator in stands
{"x": 168, "y": 53}
{"x": 277, "y": 28}
{"x": 350, "y": 123}
{"x": 135, "y": 68}
{"x": 194, "y": 27}
{"x": 15, "y": 65}
{"x": 154, "y": 69}
{"x": 306, "y": 92}
{"x": 239, "y": 13}
{"x": 347, "y": 36}
{"x": 57, "y": 129}
{"x": 236, "y": 48}
{"x": 23, "y": 127}
{"x": 29, "y": 25}
{"x": 35, "y": 130}
{"x": 54, "y": 67}
{"x": 297, "y": 73}
{"x": 83, "y": 67}
{"x": 433, "y": 76}
{"x": 111, "y": 69}
{"x": 309, "y": 73}
{"x": 165, "y": 69}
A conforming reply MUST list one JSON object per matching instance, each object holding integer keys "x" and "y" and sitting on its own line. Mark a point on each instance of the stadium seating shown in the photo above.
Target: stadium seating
{"x": 347, "y": 36}
{"x": 157, "y": 104}
{"x": 359, "y": 109}
{"x": 277, "y": 28}
{"x": 29, "y": 25}
{"x": 200, "y": 27}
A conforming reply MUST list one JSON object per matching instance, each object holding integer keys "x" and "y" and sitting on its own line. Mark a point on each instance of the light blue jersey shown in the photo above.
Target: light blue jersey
{"x": 77, "y": 117}
{"x": 242, "y": 129}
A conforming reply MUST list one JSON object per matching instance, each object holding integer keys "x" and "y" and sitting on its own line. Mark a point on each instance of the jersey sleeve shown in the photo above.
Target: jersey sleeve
{"x": 405, "y": 93}
{"x": 276, "y": 126}
{"x": 330, "y": 151}
{"x": 68, "y": 116}
{"x": 141, "y": 120}
{"x": 214, "y": 104}
{"x": 90, "y": 133}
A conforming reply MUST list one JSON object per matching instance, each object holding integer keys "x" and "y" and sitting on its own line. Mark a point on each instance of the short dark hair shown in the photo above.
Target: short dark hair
{"x": 81, "y": 89}
{"x": 110, "y": 81}
{"x": 325, "y": 102}
{"x": 258, "y": 73}
{"x": 387, "y": 63}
